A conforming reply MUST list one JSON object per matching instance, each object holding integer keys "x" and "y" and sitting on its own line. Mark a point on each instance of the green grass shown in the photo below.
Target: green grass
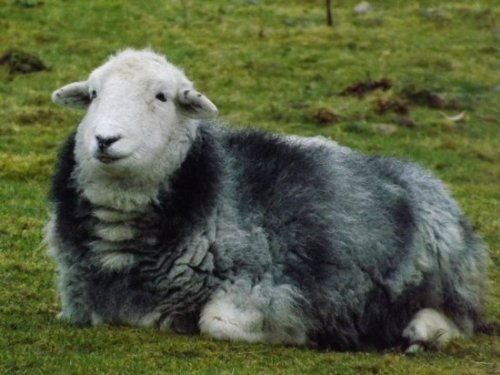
{"x": 273, "y": 65}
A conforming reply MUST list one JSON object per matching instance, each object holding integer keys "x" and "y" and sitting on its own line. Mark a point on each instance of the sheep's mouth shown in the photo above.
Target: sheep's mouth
{"x": 108, "y": 159}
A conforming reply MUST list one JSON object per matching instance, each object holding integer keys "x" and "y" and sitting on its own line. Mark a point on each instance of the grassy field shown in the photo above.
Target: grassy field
{"x": 408, "y": 79}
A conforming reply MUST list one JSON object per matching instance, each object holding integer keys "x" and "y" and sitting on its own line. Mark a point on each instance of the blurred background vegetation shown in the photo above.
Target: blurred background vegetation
{"x": 413, "y": 79}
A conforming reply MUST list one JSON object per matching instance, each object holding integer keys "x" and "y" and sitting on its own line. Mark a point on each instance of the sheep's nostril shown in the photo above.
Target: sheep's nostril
{"x": 104, "y": 142}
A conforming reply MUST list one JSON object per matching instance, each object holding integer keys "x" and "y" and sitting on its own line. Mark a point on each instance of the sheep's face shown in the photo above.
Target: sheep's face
{"x": 139, "y": 107}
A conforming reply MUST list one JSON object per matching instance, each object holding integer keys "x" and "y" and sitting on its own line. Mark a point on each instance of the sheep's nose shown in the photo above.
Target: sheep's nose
{"x": 104, "y": 142}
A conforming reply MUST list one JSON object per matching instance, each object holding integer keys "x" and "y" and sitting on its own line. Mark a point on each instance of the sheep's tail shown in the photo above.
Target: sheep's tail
{"x": 489, "y": 328}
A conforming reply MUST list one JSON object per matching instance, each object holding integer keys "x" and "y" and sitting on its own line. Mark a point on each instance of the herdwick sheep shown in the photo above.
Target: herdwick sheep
{"x": 163, "y": 219}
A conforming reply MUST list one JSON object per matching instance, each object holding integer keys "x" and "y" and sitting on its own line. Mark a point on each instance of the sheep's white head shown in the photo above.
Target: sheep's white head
{"x": 139, "y": 108}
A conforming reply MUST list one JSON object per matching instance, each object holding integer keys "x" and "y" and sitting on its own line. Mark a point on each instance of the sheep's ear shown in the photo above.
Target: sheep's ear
{"x": 74, "y": 95}
{"x": 195, "y": 105}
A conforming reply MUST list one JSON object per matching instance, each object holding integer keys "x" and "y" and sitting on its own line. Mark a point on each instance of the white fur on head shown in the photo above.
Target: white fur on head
{"x": 137, "y": 129}
{"x": 191, "y": 103}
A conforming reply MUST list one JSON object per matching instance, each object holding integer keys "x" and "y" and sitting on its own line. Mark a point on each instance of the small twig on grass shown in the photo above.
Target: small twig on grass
{"x": 185, "y": 14}
{"x": 329, "y": 13}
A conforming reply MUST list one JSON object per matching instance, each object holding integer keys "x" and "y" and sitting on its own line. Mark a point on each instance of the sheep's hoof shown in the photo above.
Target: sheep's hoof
{"x": 429, "y": 329}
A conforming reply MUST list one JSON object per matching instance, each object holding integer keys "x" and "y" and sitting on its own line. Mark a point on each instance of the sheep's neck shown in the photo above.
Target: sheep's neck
{"x": 122, "y": 198}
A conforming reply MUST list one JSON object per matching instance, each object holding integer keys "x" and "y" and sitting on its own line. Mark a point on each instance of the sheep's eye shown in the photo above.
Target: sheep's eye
{"x": 161, "y": 97}
{"x": 93, "y": 94}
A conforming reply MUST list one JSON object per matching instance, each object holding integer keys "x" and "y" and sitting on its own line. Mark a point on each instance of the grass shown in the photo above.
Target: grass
{"x": 274, "y": 65}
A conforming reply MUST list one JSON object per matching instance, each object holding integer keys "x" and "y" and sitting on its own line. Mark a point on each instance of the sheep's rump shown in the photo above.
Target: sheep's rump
{"x": 367, "y": 242}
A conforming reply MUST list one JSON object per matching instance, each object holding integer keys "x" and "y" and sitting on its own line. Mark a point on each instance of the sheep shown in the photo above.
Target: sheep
{"x": 163, "y": 217}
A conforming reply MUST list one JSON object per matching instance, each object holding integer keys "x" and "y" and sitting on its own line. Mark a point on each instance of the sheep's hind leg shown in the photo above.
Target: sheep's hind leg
{"x": 429, "y": 328}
